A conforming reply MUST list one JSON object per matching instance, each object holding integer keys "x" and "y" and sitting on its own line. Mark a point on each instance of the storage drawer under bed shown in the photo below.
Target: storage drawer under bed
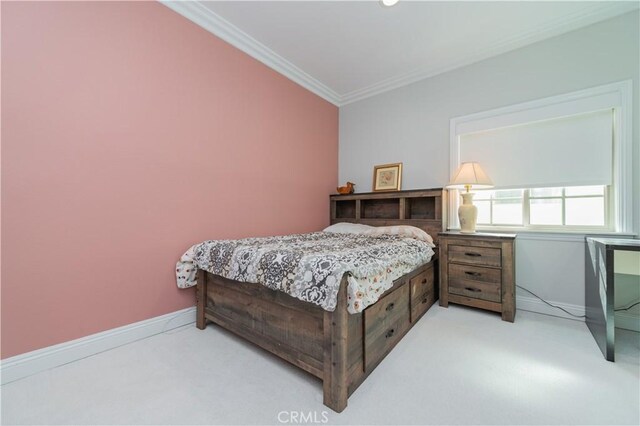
{"x": 385, "y": 323}
{"x": 423, "y": 293}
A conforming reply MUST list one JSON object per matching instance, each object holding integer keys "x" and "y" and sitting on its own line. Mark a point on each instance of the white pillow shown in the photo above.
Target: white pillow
{"x": 403, "y": 231}
{"x": 348, "y": 228}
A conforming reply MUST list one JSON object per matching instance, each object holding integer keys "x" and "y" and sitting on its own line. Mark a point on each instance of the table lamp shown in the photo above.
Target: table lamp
{"x": 469, "y": 175}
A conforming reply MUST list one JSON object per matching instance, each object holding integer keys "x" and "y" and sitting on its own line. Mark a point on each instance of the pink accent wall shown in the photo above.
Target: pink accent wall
{"x": 128, "y": 134}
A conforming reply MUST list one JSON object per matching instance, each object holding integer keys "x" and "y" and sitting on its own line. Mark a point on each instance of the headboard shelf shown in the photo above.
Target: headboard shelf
{"x": 422, "y": 208}
{"x": 346, "y": 209}
{"x": 379, "y": 208}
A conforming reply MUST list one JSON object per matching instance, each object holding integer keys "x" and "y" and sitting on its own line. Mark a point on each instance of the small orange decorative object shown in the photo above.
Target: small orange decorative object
{"x": 347, "y": 189}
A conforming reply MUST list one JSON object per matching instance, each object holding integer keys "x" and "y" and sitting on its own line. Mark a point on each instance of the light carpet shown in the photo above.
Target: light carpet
{"x": 456, "y": 366}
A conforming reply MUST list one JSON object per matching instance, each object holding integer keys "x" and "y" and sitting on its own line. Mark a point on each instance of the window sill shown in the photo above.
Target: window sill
{"x": 546, "y": 235}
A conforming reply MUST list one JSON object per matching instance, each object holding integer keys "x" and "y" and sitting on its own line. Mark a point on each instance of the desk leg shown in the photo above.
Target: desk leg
{"x": 610, "y": 312}
{"x": 599, "y": 286}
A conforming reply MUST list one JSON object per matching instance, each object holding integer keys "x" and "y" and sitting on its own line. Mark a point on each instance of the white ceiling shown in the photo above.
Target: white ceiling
{"x": 349, "y": 50}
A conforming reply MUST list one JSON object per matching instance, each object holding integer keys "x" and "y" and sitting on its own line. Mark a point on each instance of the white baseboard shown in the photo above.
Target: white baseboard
{"x": 625, "y": 320}
{"x": 532, "y": 304}
{"x": 24, "y": 365}
{"x": 20, "y": 366}
{"x": 628, "y": 321}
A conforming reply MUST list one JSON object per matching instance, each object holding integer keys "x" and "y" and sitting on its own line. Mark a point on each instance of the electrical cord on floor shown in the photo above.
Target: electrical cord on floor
{"x": 627, "y": 308}
{"x": 553, "y": 306}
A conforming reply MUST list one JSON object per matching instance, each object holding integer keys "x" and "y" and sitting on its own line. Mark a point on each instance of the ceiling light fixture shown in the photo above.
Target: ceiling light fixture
{"x": 388, "y": 3}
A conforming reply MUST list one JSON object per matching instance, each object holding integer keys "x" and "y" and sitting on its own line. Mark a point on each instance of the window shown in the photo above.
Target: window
{"x": 573, "y": 206}
{"x": 571, "y": 154}
{"x": 500, "y": 207}
{"x": 576, "y": 207}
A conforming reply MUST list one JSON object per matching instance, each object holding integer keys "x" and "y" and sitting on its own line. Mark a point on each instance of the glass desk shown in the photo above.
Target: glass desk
{"x": 599, "y": 288}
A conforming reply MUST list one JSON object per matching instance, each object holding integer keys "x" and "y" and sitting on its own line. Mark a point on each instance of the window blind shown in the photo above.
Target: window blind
{"x": 568, "y": 151}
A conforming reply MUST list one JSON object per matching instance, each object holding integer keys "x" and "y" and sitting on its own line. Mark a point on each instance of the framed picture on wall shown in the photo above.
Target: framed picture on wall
{"x": 387, "y": 177}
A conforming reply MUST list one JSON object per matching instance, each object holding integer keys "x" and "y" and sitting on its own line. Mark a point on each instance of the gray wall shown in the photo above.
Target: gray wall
{"x": 411, "y": 125}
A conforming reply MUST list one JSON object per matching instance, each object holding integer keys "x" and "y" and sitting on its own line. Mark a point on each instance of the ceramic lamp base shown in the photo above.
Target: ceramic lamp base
{"x": 467, "y": 214}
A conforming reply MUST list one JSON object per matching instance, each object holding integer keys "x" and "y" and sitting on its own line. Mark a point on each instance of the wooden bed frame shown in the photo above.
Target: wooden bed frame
{"x": 339, "y": 348}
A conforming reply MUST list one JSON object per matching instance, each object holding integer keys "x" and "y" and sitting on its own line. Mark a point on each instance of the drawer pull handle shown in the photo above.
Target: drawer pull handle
{"x": 425, "y": 298}
{"x": 475, "y": 290}
{"x": 424, "y": 281}
{"x": 472, "y": 254}
{"x": 390, "y": 307}
{"x": 389, "y": 333}
{"x": 473, "y": 274}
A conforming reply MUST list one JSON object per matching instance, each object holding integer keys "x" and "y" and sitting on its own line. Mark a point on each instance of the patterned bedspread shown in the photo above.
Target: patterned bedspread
{"x": 310, "y": 267}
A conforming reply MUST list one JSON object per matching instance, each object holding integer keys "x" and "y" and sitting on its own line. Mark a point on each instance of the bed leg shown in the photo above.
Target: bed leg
{"x": 201, "y": 299}
{"x": 334, "y": 382}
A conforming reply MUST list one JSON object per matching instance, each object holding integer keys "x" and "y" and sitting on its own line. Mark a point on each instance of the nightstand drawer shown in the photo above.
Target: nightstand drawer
{"x": 475, "y": 282}
{"x": 478, "y": 270}
{"x": 475, "y": 255}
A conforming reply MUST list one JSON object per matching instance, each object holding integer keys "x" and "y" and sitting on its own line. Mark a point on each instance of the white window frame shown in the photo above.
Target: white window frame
{"x": 616, "y": 96}
{"x": 502, "y": 225}
{"x": 607, "y": 228}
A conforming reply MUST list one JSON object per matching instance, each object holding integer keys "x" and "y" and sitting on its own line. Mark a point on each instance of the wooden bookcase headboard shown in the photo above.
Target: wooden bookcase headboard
{"x": 422, "y": 208}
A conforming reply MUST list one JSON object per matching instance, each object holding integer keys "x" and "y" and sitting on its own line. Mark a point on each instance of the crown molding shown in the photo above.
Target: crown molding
{"x": 196, "y": 12}
{"x": 548, "y": 30}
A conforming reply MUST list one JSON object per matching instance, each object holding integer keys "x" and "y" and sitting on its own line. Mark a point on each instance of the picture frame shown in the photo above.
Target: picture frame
{"x": 387, "y": 177}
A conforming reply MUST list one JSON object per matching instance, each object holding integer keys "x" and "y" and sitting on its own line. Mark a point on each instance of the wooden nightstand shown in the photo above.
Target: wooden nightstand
{"x": 478, "y": 270}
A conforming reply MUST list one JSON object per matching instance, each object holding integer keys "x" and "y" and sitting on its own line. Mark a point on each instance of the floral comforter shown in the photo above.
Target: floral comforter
{"x": 310, "y": 267}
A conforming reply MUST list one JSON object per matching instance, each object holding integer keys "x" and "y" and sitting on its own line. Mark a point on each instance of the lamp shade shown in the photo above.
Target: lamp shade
{"x": 470, "y": 175}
